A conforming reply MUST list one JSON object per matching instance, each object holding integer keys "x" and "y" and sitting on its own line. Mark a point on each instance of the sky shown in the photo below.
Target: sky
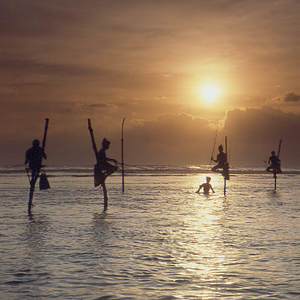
{"x": 177, "y": 71}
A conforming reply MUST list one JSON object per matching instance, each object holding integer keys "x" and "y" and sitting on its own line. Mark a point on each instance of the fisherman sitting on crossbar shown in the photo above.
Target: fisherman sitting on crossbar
{"x": 103, "y": 168}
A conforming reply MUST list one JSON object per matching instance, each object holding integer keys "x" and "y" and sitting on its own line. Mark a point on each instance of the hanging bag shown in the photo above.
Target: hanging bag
{"x": 44, "y": 183}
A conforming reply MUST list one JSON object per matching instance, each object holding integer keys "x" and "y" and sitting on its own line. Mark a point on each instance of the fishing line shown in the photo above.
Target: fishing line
{"x": 27, "y": 174}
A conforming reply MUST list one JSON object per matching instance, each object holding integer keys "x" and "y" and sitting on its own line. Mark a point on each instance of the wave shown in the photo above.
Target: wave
{"x": 86, "y": 171}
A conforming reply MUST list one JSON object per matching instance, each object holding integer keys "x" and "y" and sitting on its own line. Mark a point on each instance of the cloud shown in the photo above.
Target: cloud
{"x": 33, "y": 18}
{"x": 288, "y": 102}
{"x": 98, "y": 105}
{"x": 291, "y": 97}
{"x": 253, "y": 133}
{"x": 170, "y": 138}
{"x": 178, "y": 139}
{"x": 183, "y": 139}
{"x": 43, "y": 68}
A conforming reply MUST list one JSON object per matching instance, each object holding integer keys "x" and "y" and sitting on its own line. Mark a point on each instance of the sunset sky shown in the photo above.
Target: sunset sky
{"x": 176, "y": 70}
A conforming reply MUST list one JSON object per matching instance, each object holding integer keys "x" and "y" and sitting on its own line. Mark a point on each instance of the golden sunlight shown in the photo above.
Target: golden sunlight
{"x": 209, "y": 92}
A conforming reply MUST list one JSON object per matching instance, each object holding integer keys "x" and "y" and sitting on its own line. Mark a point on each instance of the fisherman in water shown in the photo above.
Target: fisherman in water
{"x": 103, "y": 168}
{"x": 34, "y": 157}
{"x": 274, "y": 163}
{"x": 221, "y": 160}
{"x": 206, "y": 187}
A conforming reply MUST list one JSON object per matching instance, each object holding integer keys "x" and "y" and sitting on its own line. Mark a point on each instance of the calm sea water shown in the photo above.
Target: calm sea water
{"x": 158, "y": 240}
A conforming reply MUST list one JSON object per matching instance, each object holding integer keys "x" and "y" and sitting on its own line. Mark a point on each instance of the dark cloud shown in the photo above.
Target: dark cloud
{"x": 170, "y": 138}
{"x": 183, "y": 139}
{"x": 35, "y": 67}
{"x": 253, "y": 133}
{"x": 291, "y": 97}
{"x": 178, "y": 139}
{"x": 98, "y": 105}
{"x": 37, "y": 19}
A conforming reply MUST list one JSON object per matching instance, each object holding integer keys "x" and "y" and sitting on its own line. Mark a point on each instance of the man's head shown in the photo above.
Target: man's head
{"x": 105, "y": 143}
{"x": 35, "y": 143}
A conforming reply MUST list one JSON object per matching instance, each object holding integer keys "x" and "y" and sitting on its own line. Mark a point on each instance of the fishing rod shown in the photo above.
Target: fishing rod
{"x": 279, "y": 148}
{"x": 213, "y": 149}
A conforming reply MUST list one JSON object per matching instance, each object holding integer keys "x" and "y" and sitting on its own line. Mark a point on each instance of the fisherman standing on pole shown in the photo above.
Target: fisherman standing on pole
{"x": 34, "y": 157}
{"x": 102, "y": 168}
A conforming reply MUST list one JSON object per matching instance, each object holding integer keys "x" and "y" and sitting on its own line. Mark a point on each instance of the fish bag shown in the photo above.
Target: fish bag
{"x": 99, "y": 176}
{"x": 44, "y": 183}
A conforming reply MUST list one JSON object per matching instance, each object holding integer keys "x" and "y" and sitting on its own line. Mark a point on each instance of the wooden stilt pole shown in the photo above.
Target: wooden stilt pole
{"x": 96, "y": 155}
{"x": 105, "y": 195}
{"x": 122, "y": 154}
{"x": 45, "y": 134}
{"x": 35, "y": 175}
{"x": 274, "y": 172}
{"x": 226, "y": 166}
{"x": 31, "y": 192}
{"x": 93, "y": 139}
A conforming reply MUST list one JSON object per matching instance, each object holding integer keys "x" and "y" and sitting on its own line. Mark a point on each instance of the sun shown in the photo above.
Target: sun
{"x": 210, "y": 92}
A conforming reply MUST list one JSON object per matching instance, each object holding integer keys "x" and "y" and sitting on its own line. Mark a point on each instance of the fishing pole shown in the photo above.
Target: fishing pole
{"x": 213, "y": 149}
{"x": 279, "y": 148}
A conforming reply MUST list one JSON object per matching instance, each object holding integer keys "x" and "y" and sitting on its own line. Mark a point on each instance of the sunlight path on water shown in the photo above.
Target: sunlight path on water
{"x": 158, "y": 240}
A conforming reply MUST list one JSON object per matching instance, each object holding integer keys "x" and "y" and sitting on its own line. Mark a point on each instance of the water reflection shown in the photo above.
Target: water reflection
{"x": 35, "y": 235}
{"x": 100, "y": 228}
{"x": 201, "y": 248}
{"x": 29, "y": 271}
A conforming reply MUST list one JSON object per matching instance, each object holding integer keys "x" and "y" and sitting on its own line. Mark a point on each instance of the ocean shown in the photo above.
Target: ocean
{"x": 158, "y": 240}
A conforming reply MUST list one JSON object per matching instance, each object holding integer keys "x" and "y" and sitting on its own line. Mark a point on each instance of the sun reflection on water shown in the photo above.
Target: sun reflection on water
{"x": 203, "y": 251}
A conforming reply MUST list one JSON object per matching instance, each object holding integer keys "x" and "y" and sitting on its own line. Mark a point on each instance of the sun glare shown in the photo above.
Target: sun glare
{"x": 210, "y": 92}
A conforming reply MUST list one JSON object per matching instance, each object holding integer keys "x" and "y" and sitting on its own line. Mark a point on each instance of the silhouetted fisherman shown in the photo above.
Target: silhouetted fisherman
{"x": 206, "y": 186}
{"x": 103, "y": 168}
{"x": 33, "y": 158}
{"x": 221, "y": 160}
{"x": 274, "y": 163}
